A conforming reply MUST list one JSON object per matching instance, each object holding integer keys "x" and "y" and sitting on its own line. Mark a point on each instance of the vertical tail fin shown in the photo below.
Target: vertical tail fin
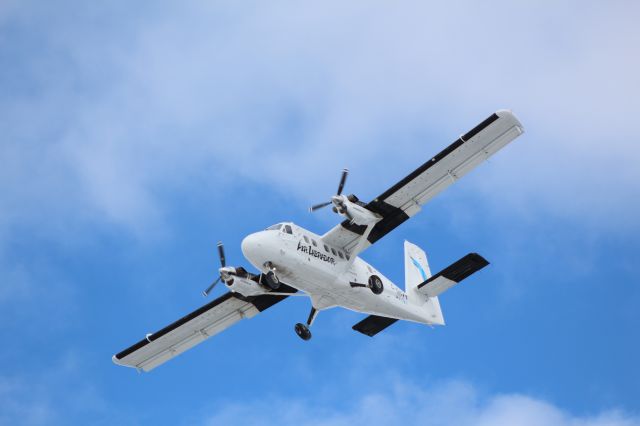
{"x": 416, "y": 267}
{"x": 416, "y": 271}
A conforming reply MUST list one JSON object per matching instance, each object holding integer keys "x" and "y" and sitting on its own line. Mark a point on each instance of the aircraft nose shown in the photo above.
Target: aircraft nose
{"x": 250, "y": 247}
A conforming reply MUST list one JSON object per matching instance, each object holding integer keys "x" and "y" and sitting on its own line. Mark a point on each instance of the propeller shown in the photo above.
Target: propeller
{"x": 223, "y": 263}
{"x": 319, "y": 206}
{"x": 343, "y": 179}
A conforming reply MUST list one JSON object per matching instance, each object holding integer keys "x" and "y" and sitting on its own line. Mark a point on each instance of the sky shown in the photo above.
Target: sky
{"x": 133, "y": 137}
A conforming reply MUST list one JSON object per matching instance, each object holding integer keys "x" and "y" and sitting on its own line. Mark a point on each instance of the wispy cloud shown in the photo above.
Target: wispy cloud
{"x": 446, "y": 403}
{"x": 106, "y": 111}
{"x": 99, "y": 123}
{"x": 393, "y": 381}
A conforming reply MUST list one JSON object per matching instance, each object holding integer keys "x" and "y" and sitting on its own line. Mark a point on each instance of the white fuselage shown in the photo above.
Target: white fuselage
{"x": 303, "y": 261}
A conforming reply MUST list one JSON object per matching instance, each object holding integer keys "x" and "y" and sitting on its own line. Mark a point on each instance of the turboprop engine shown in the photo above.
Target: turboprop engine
{"x": 349, "y": 206}
{"x": 237, "y": 279}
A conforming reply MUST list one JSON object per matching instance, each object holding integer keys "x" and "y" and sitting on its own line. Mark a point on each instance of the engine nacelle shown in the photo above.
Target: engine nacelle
{"x": 238, "y": 280}
{"x": 244, "y": 286}
{"x": 355, "y": 211}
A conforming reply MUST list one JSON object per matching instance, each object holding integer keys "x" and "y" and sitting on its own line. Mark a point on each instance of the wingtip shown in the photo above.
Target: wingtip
{"x": 509, "y": 113}
{"x": 480, "y": 259}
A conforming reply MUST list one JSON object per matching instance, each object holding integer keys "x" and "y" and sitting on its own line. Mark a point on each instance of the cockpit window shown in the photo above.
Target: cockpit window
{"x": 287, "y": 229}
{"x": 274, "y": 227}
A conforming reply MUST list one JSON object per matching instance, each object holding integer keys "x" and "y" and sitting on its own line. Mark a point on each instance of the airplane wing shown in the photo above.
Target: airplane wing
{"x": 406, "y": 198}
{"x": 212, "y": 318}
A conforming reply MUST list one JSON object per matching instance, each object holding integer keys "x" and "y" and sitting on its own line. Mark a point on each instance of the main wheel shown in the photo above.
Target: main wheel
{"x": 303, "y": 331}
{"x": 375, "y": 284}
{"x": 272, "y": 280}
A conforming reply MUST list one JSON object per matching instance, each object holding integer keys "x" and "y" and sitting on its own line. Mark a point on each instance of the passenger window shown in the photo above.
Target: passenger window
{"x": 305, "y": 239}
{"x": 326, "y": 248}
{"x": 314, "y": 243}
{"x": 340, "y": 254}
{"x": 287, "y": 229}
{"x": 334, "y": 251}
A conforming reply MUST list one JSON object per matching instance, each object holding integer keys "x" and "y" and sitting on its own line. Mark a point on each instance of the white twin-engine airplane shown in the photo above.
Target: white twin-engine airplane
{"x": 326, "y": 268}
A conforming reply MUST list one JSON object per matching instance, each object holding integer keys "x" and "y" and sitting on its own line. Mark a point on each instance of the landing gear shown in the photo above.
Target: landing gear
{"x": 302, "y": 330}
{"x": 375, "y": 284}
{"x": 270, "y": 278}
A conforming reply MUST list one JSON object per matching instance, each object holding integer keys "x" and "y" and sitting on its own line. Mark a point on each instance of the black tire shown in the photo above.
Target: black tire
{"x": 375, "y": 284}
{"x": 272, "y": 280}
{"x": 302, "y": 331}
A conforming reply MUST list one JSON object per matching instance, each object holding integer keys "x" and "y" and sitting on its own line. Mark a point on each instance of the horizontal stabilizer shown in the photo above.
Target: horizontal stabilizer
{"x": 373, "y": 325}
{"x": 452, "y": 275}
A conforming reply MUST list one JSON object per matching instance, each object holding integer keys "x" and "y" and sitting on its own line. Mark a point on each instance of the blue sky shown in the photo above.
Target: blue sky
{"x": 133, "y": 138}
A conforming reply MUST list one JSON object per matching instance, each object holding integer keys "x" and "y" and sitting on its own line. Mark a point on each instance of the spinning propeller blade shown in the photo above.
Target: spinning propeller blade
{"x": 208, "y": 290}
{"x": 223, "y": 263}
{"x": 319, "y": 206}
{"x": 343, "y": 179}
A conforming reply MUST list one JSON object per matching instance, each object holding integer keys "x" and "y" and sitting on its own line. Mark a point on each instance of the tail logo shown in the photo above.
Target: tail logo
{"x": 415, "y": 262}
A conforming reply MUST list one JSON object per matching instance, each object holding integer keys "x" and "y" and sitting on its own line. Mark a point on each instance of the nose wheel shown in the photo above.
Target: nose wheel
{"x": 270, "y": 278}
{"x": 302, "y": 330}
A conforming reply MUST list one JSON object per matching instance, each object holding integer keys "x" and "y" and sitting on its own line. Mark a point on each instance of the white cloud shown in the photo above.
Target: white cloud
{"x": 112, "y": 117}
{"x": 446, "y": 403}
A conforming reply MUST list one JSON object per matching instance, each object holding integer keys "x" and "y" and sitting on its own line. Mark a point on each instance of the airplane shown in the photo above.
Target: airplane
{"x": 293, "y": 261}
